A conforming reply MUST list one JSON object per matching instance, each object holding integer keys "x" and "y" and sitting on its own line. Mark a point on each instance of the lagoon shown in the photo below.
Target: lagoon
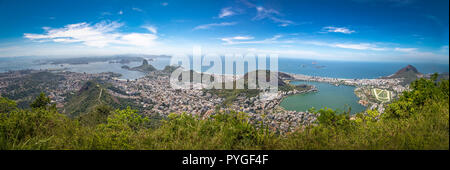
{"x": 335, "y": 97}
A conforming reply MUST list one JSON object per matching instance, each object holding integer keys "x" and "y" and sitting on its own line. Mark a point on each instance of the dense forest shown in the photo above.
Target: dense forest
{"x": 419, "y": 119}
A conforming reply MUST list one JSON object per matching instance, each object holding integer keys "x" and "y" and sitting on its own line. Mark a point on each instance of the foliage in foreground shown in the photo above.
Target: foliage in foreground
{"x": 418, "y": 120}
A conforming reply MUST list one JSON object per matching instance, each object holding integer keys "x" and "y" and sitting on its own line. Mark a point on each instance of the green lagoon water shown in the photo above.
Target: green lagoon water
{"x": 330, "y": 96}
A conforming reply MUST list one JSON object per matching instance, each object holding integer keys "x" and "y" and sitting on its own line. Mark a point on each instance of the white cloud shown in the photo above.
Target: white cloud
{"x": 249, "y": 40}
{"x": 360, "y": 46}
{"x": 283, "y": 23}
{"x": 120, "y": 12}
{"x": 293, "y": 53}
{"x": 434, "y": 19}
{"x": 229, "y": 40}
{"x": 137, "y": 9}
{"x": 269, "y": 13}
{"x": 354, "y": 46}
{"x": 276, "y": 39}
{"x": 362, "y": 56}
{"x": 138, "y": 39}
{"x": 151, "y": 28}
{"x": 423, "y": 56}
{"x": 242, "y": 38}
{"x": 263, "y": 13}
{"x": 444, "y": 48}
{"x": 226, "y": 12}
{"x": 337, "y": 30}
{"x": 98, "y": 35}
{"x": 406, "y": 50}
{"x": 164, "y": 4}
{"x": 105, "y": 13}
{"x": 208, "y": 26}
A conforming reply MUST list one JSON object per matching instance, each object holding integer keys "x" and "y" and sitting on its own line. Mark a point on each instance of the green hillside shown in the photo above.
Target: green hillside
{"x": 91, "y": 95}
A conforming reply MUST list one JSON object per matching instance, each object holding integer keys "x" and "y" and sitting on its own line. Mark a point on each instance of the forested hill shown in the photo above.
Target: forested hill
{"x": 91, "y": 95}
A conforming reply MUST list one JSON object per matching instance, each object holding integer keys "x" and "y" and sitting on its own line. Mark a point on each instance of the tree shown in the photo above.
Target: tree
{"x": 423, "y": 91}
{"x": 127, "y": 119}
{"x": 42, "y": 101}
{"x": 7, "y": 105}
{"x": 97, "y": 116}
{"x": 329, "y": 117}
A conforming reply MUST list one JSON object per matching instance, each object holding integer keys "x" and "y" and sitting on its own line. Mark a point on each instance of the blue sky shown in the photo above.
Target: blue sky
{"x": 356, "y": 30}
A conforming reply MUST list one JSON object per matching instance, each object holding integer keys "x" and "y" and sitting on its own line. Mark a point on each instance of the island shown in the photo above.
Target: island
{"x": 145, "y": 67}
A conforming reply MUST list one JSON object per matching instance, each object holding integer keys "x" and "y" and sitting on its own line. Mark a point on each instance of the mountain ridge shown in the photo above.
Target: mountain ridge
{"x": 408, "y": 74}
{"x": 145, "y": 67}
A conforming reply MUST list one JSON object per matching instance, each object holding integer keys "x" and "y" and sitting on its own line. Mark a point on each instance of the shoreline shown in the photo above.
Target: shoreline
{"x": 317, "y": 90}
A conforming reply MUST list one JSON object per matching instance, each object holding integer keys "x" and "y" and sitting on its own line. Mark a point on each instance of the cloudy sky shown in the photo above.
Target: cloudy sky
{"x": 359, "y": 30}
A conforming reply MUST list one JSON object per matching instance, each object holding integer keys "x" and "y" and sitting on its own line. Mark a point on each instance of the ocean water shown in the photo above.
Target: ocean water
{"x": 335, "y": 97}
{"x": 16, "y": 63}
{"x": 354, "y": 70}
{"x": 334, "y": 69}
